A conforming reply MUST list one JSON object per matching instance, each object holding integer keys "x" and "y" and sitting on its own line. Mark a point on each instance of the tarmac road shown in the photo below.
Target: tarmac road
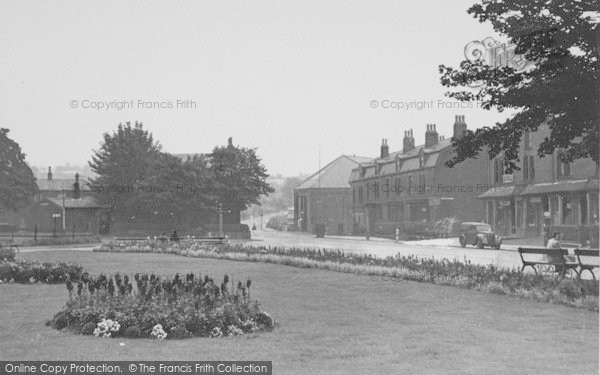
{"x": 504, "y": 258}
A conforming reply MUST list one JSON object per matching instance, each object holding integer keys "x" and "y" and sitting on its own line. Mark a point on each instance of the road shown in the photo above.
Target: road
{"x": 447, "y": 248}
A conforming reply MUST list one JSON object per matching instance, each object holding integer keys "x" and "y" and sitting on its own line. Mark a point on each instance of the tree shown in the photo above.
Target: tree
{"x": 240, "y": 177}
{"x": 177, "y": 192}
{"x": 17, "y": 182}
{"x": 561, "y": 89}
{"x": 125, "y": 159}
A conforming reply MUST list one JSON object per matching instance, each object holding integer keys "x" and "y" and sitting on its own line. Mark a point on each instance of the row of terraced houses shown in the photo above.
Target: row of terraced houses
{"x": 361, "y": 195}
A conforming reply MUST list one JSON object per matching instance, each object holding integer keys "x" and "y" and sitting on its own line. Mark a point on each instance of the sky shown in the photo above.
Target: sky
{"x": 289, "y": 78}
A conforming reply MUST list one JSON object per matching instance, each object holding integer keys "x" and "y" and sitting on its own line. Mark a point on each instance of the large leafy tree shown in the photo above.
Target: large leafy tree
{"x": 561, "y": 88}
{"x": 177, "y": 192}
{"x": 240, "y": 178}
{"x": 17, "y": 182}
{"x": 124, "y": 160}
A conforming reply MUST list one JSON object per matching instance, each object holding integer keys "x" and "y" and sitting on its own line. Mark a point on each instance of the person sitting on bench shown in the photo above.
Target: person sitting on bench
{"x": 554, "y": 243}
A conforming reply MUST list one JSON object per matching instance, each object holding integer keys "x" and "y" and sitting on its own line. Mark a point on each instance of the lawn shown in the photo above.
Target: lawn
{"x": 330, "y": 322}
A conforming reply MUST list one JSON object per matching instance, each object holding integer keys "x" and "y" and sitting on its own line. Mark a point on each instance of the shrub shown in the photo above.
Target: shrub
{"x": 24, "y": 271}
{"x": 132, "y": 332}
{"x": 88, "y": 328}
{"x": 149, "y": 306}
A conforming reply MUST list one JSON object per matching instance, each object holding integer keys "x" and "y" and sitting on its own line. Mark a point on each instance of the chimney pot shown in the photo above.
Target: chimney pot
{"x": 431, "y": 136}
{"x": 49, "y": 173}
{"x": 460, "y": 126}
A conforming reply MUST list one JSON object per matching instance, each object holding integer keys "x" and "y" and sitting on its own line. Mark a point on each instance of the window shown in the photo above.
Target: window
{"x": 519, "y": 213}
{"x": 387, "y": 188}
{"x": 360, "y": 194}
{"x": 422, "y": 179}
{"x": 563, "y": 168}
{"x": 409, "y": 181}
{"x": 368, "y": 191}
{"x": 498, "y": 170}
{"x": 567, "y": 210}
{"x": 353, "y": 195}
{"x": 398, "y": 185}
{"x": 527, "y": 140}
{"x": 528, "y": 168}
{"x": 531, "y": 168}
{"x": 376, "y": 190}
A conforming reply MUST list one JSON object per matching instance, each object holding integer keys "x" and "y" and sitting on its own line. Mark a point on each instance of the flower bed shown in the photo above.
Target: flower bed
{"x": 148, "y": 306}
{"x": 579, "y": 293}
{"x": 25, "y": 271}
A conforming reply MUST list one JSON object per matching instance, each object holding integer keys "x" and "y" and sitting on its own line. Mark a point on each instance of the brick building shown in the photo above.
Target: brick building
{"x": 326, "y": 197}
{"x": 546, "y": 194}
{"x": 415, "y": 185}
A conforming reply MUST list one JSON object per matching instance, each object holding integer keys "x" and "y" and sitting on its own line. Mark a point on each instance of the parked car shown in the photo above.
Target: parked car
{"x": 478, "y": 234}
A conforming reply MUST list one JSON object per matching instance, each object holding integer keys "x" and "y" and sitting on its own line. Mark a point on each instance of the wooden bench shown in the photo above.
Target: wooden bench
{"x": 583, "y": 266}
{"x": 553, "y": 257}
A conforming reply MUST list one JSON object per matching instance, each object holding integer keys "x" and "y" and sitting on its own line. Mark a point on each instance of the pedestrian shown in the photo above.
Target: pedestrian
{"x": 554, "y": 243}
{"x": 174, "y": 236}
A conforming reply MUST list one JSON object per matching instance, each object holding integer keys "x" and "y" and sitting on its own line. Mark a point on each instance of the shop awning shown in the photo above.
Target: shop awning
{"x": 499, "y": 192}
{"x": 561, "y": 186}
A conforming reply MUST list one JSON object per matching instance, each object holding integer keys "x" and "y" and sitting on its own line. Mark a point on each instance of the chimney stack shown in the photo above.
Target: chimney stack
{"x": 385, "y": 150}
{"x": 230, "y": 142}
{"x": 76, "y": 189}
{"x": 460, "y": 126}
{"x": 431, "y": 136}
{"x": 408, "y": 141}
{"x": 49, "y": 173}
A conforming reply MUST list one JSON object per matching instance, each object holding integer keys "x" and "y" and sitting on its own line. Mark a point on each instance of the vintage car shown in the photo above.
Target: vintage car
{"x": 478, "y": 234}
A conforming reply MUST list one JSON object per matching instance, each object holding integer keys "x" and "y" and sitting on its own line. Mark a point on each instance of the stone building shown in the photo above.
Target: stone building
{"x": 326, "y": 197}
{"x": 414, "y": 185}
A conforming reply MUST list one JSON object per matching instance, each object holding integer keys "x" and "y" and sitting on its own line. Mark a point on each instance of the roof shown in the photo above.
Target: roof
{"x": 335, "y": 174}
{"x": 499, "y": 192}
{"x": 561, "y": 186}
{"x": 409, "y": 160}
{"x": 83, "y": 202}
{"x": 61, "y": 184}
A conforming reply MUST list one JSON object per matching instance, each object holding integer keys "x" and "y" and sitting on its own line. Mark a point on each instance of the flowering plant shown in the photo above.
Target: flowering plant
{"x": 234, "y": 331}
{"x": 216, "y": 332}
{"x": 106, "y": 328}
{"x": 158, "y": 332}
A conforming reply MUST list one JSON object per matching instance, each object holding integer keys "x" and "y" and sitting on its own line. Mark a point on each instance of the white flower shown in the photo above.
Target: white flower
{"x": 106, "y": 328}
{"x": 216, "y": 332}
{"x": 158, "y": 332}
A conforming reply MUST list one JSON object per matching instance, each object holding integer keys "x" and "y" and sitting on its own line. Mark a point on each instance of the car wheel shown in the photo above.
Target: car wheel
{"x": 479, "y": 243}
{"x": 463, "y": 242}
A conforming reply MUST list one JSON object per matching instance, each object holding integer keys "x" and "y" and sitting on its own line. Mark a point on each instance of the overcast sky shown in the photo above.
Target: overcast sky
{"x": 277, "y": 75}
